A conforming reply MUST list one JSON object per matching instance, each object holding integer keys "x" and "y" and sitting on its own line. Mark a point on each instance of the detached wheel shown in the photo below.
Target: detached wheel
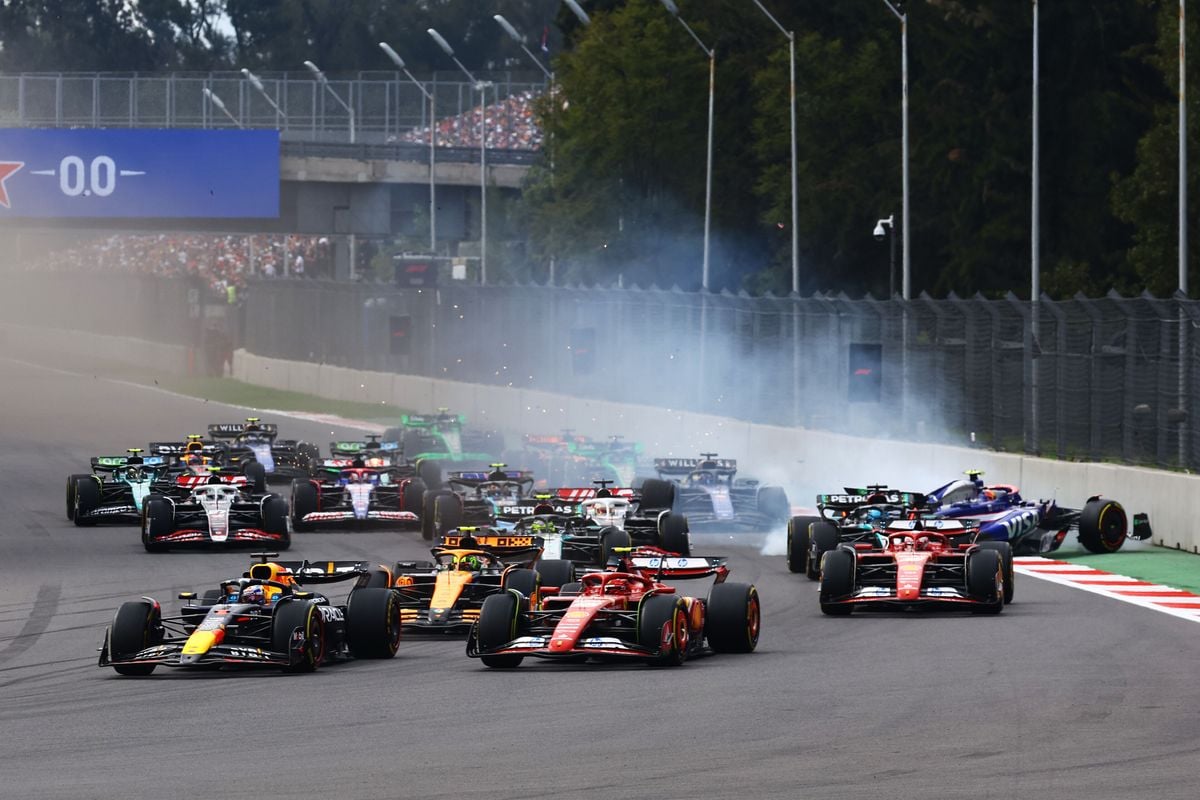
{"x": 373, "y": 623}
{"x": 298, "y": 614}
{"x": 798, "y": 542}
{"x": 1006, "y": 563}
{"x": 773, "y": 504}
{"x": 555, "y": 573}
{"x": 657, "y": 494}
{"x": 87, "y": 500}
{"x": 612, "y": 538}
{"x": 673, "y": 534}
{"x": 1103, "y": 526}
{"x": 663, "y": 626}
{"x": 734, "y": 618}
{"x": 823, "y": 537}
{"x": 137, "y": 625}
{"x": 256, "y": 477}
{"x": 985, "y": 581}
{"x": 837, "y": 582}
{"x": 499, "y": 622}
{"x": 158, "y": 520}
{"x": 304, "y": 501}
{"x": 275, "y": 520}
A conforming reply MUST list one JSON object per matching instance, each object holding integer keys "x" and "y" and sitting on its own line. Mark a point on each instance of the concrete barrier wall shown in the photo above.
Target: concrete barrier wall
{"x": 30, "y": 343}
{"x": 812, "y": 460}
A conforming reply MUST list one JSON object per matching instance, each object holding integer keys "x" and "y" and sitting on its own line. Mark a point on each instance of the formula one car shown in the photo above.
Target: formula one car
{"x": 1033, "y": 528}
{"x": 567, "y": 459}
{"x": 253, "y": 440}
{"x": 626, "y": 612}
{"x": 195, "y": 458}
{"x": 852, "y": 516}
{"x": 446, "y": 594}
{"x": 922, "y": 562}
{"x": 711, "y": 497}
{"x": 356, "y": 495}
{"x": 215, "y": 514}
{"x": 444, "y": 437}
{"x": 476, "y": 498}
{"x": 264, "y": 618}
{"x": 115, "y": 489}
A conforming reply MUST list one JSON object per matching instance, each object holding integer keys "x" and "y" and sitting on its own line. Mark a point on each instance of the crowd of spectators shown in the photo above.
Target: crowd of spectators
{"x": 221, "y": 262}
{"x": 509, "y": 125}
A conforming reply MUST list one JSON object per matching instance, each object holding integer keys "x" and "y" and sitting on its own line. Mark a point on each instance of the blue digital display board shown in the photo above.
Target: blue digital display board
{"x": 55, "y": 173}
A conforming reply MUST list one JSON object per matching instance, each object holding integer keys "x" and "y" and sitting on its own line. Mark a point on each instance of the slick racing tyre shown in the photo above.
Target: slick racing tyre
{"x": 837, "y": 582}
{"x": 823, "y": 537}
{"x": 1006, "y": 563}
{"x": 71, "y": 481}
{"x": 256, "y": 477}
{"x": 798, "y": 542}
{"x": 87, "y": 499}
{"x": 734, "y": 618}
{"x": 137, "y": 625}
{"x": 555, "y": 573}
{"x": 985, "y": 581}
{"x": 525, "y": 581}
{"x": 773, "y": 504}
{"x": 275, "y": 520}
{"x": 428, "y": 511}
{"x": 411, "y": 496}
{"x": 373, "y": 623}
{"x": 657, "y": 494}
{"x": 447, "y": 514}
{"x": 1103, "y": 526}
{"x": 304, "y": 501}
{"x": 158, "y": 520}
{"x": 430, "y": 471}
{"x": 290, "y": 615}
{"x": 610, "y": 539}
{"x": 673, "y": 534}
{"x": 499, "y": 622}
{"x": 663, "y": 627}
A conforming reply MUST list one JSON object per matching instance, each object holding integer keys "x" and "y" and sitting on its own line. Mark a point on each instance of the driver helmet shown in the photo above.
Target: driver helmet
{"x": 873, "y": 514}
{"x": 705, "y": 478}
{"x": 254, "y": 594}
{"x": 988, "y": 494}
{"x": 542, "y": 526}
{"x": 133, "y": 473}
{"x": 470, "y": 563}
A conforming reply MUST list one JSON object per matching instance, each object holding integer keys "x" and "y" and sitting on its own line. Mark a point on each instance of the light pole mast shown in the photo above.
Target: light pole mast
{"x": 399, "y": 62}
{"x": 906, "y": 281}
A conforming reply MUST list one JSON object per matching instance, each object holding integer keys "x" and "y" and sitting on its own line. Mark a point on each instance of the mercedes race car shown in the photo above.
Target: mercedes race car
{"x": 1033, "y": 528}
{"x": 356, "y": 496}
{"x": 215, "y": 514}
{"x": 919, "y": 562}
{"x": 446, "y": 594}
{"x": 476, "y": 498}
{"x": 266, "y": 618}
{"x": 253, "y": 440}
{"x": 626, "y": 612}
{"x": 708, "y": 492}
{"x": 116, "y": 488}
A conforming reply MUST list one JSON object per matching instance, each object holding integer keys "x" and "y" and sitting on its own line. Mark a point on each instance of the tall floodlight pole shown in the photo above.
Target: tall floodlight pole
{"x": 791, "y": 37}
{"x": 216, "y": 101}
{"x": 519, "y": 39}
{"x": 907, "y": 263}
{"x": 482, "y": 87}
{"x": 1183, "y": 198}
{"x": 712, "y": 74}
{"x": 320, "y": 76}
{"x": 1035, "y": 289}
{"x": 258, "y": 86}
{"x": 400, "y": 65}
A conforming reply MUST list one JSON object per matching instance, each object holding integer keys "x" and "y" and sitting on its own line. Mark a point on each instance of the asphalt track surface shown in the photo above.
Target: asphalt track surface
{"x": 1065, "y": 695}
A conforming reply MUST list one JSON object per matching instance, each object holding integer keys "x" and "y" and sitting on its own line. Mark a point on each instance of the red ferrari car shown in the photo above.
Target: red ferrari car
{"x": 627, "y": 612}
{"x": 917, "y": 562}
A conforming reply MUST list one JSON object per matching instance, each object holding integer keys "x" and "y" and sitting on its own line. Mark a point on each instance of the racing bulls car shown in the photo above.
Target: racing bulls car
{"x": 215, "y": 514}
{"x": 446, "y": 594}
{"x": 710, "y": 495}
{"x": 355, "y": 495}
{"x": 115, "y": 489}
{"x": 1033, "y": 528}
{"x": 253, "y": 440}
{"x": 920, "y": 562}
{"x": 266, "y": 618}
{"x": 623, "y": 613}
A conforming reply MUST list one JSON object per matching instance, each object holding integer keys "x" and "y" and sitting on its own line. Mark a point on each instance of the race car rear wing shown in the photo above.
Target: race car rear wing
{"x": 491, "y": 541}
{"x": 579, "y": 494}
{"x": 313, "y": 572}
{"x": 231, "y": 430}
{"x": 874, "y": 495}
{"x": 112, "y": 463}
{"x": 176, "y": 449}
{"x": 660, "y": 565}
{"x": 684, "y": 466}
{"x": 431, "y": 420}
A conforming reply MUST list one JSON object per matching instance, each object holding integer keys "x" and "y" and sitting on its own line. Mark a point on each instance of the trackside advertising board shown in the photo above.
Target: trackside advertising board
{"x": 55, "y": 173}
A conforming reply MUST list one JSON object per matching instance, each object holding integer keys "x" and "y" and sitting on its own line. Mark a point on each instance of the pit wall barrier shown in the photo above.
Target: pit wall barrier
{"x": 804, "y": 461}
{"x": 32, "y": 343}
